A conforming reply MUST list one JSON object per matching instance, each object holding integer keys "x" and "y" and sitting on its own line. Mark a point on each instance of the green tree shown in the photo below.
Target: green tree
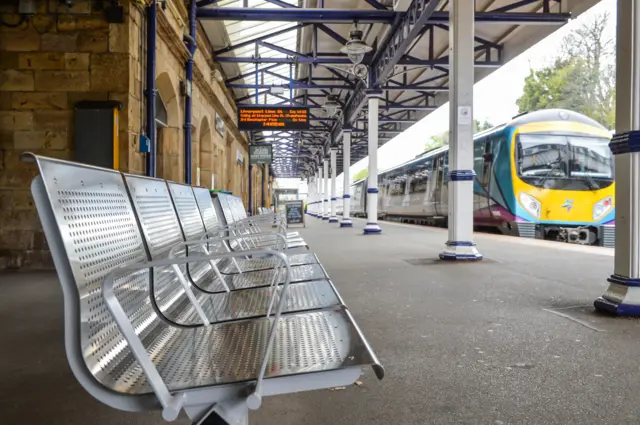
{"x": 581, "y": 78}
{"x": 443, "y": 138}
{"x": 362, "y": 174}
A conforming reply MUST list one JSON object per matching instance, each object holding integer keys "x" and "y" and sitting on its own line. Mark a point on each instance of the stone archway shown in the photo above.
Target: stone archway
{"x": 205, "y": 142}
{"x": 170, "y": 154}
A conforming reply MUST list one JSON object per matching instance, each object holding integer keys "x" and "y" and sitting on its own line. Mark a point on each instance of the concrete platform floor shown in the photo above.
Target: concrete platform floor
{"x": 511, "y": 340}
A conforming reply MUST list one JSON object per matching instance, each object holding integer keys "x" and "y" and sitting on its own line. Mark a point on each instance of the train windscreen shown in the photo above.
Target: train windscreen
{"x": 564, "y": 162}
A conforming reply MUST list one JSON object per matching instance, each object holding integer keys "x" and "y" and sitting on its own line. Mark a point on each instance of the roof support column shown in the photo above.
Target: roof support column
{"x": 623, "y": 295}
{"x": 333, "y": 218}
{"x": 346, "y": 164}
{"x": 460, "y": 245}
{"x": 372, "y": 226}
{"x": 320, "y": 193}
{"x": 314, "y": 196}
{"x": 325, "y": 192}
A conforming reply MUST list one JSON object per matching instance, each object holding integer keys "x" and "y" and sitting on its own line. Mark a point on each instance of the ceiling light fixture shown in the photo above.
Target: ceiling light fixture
{"x": 331, "y": 105}
{"x": 356, "y": 48}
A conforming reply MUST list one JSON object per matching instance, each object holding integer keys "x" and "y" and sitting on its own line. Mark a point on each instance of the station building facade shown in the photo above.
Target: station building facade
{"x": 58, "y": 57}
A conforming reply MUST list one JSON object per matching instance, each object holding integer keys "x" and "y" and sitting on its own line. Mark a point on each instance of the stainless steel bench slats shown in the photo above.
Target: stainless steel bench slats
{"x": 92, "y": 229}
{"x": 212, "y": 224}
{"x": 302, "y": 296}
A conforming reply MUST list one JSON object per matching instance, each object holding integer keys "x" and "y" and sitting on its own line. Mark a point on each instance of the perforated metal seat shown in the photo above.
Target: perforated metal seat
{"x": 211, "y": 223}
{"x": 163, "y": 229}
{"x": 234, "y": 214}
{"x": 122, "y": 350}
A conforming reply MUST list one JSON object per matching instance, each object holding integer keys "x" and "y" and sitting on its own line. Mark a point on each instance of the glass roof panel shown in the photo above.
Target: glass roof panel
{"x": 286, "y": 149}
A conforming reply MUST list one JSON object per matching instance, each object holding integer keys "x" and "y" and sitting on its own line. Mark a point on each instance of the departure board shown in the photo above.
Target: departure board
{"x": 276, "y": 118}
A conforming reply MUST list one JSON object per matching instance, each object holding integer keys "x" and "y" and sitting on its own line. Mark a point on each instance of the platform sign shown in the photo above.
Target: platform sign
{"x": 276, "y": 118}
{"x": 294, "y": 211}
{"x": 261, "y": 154}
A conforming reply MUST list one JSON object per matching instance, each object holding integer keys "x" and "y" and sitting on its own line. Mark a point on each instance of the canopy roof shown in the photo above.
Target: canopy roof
{"x": 288, "y": 53}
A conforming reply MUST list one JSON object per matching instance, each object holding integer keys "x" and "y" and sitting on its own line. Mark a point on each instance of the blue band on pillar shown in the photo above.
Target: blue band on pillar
{"x": 372, "y": 190}
{"x": 334, "y": 199}
{"x": 625, "y": 143}
{"x": 346, "y": 196}
{"x": 622, "y": 280}
{"x": 374, "y": 93}
{"x": 460, "y": 243}
{"x": 461, "y": 175}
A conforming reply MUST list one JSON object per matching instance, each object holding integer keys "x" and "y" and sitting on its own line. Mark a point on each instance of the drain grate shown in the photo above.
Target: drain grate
{"x": 438, "y": 261}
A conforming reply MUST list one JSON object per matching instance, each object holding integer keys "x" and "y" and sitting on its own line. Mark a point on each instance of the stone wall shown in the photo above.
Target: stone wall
{"x": 60, "y": 56}
{"x": 49, "y": 62}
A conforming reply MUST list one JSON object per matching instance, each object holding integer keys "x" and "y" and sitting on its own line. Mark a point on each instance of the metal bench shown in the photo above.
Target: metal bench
{"x": 168, "y": 231}
{"x": 120, "y": 345}
{"x": 212, "y": 225}
{"x": 232, "y": 211}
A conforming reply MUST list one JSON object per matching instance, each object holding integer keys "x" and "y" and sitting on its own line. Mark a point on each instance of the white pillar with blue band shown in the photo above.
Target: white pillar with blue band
{"x": 622, "y": 297}
{"x": 333, "y": 217}
{"x": 325, "y": 194}
{"x": 312, "y": 195}
{"x": 460, "y": 244}
{"x": 346, "y": 164}
{"x": 372, "y": 227}
{"x": 320, "y": 193}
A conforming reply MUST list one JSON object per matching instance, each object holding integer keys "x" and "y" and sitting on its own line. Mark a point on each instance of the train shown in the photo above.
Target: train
{"x": 546, "y": 174}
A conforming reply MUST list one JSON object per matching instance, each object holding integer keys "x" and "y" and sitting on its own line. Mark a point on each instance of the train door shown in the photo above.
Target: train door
{"x": 429, "y": 197}
{"x": 492, "y": 183}
{"x": 443, "y": 208}
{"x": 438, "y": 180}
{"x": 480, "y": 195}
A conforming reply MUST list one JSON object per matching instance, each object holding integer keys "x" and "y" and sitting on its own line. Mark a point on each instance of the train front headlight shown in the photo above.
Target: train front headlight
{"x": 531, "y": 204}
{"x": 602, "y": 207}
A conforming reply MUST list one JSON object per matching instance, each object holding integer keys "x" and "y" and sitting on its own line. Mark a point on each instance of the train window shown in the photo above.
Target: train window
{"x": 397, "y": 184}
{"x": 542, "y": 155}
{"x": 590, "y": 157}
{"x": 419, "y": 179}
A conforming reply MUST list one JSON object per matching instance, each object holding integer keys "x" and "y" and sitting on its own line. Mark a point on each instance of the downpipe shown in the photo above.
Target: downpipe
{"x": 151, "y": 89}
{"x": 188, "y": 99}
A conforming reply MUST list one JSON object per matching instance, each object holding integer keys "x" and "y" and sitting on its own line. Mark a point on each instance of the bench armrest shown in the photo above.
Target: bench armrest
{"x": 172, "y": 404}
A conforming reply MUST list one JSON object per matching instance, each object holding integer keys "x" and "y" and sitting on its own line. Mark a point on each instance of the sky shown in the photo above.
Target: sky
{"x": 494, "y": 100}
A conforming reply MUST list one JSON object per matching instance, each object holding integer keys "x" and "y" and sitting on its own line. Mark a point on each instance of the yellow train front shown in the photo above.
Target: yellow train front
{"x": 558, "y": 178}
{"x": 546, "y": 174}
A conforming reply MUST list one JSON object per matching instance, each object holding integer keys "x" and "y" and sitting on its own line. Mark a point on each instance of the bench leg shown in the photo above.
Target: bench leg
{"x": 227, "y": 413}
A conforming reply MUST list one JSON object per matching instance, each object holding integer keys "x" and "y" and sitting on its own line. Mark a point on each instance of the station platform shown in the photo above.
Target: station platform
{"x": 513, "y": 339}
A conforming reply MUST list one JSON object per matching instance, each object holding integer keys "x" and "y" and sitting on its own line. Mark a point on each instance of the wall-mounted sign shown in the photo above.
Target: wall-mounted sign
{"x": 260, "y": 154}
{"x": 219, "y": 124}
{"x": 239, "y": 157}
{"x": 276, "y": 118}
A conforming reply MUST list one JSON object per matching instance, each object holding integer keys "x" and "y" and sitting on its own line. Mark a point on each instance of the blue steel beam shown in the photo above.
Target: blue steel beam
{"x": 347, "y": 16}
{"x": 305, "y": 86}
{"x": 318, "y": 16}
{"x": 442, "y": 61}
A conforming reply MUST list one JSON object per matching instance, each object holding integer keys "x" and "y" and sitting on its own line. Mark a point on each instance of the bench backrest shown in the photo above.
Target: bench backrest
{"x": 207, "y": 210}
{"x": 223, "y": 200}
{"x": 89, "y": 216}
{"x": 161, "y": 227}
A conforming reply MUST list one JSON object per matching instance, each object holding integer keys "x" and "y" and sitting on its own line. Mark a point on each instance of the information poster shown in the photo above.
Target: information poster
{"x": 294, "y": 211}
